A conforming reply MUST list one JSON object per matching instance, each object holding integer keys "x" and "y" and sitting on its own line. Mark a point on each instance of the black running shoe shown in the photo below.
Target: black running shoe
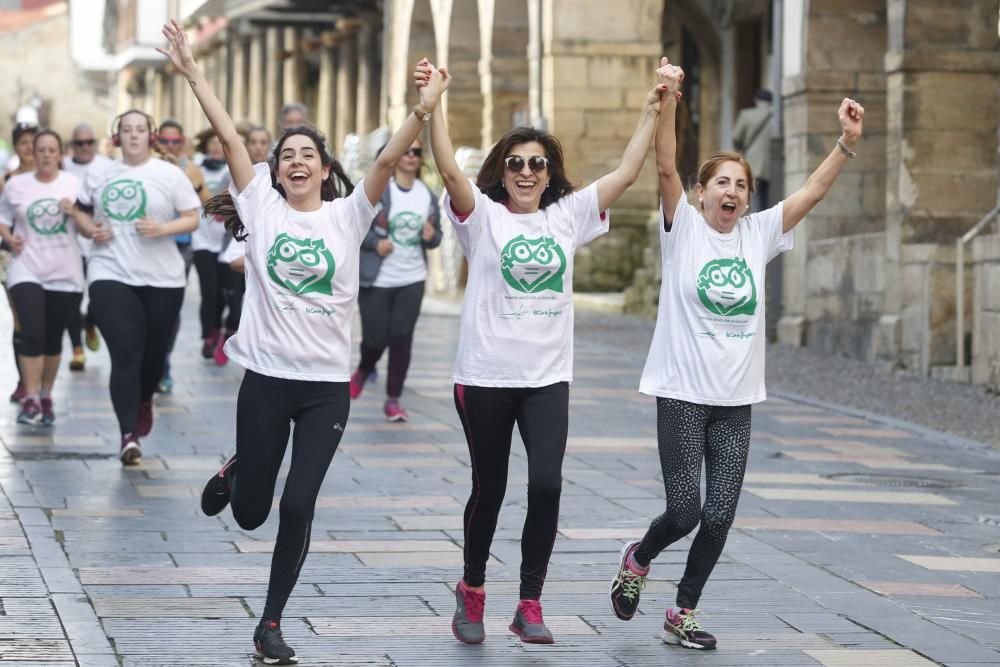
{"x": 215, "y": 495}
{"x": 685, "y": 630}
{"x": 270, "y": 645}
{"x": 627, "y": 585}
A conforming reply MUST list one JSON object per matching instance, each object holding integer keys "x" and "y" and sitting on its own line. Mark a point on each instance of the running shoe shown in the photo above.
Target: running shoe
{"x": 166, "y": 385}
{"x": 684, "y": 629}
{"x": 48, "y": 414}
{"x": 220, "y": 354}
{"x": 144, "y": 424}
{"x": 393, "y": 411}
{"x": 209, "y": 344}
{"x": 30, "y": 412}
{"x": 91, "y": 339}
{"x": 19, "y": 393}
{"x": 78, "y": 362}
{"x": 467, "y": 625}
{"x": 627, "y": 585}
{"x": 215, "y": 495}
{"x": 130, "y": 452}
{"x": 528, "y": 623}
{"x": 357, "y": 383}
{"x": 270, "y": 645}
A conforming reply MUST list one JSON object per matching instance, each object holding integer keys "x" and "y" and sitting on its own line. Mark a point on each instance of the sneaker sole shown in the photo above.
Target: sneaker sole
{"x": 397, "y": 418}
{"x": 530, "y": 640}
{"x": 131, "y": 454}
{"x": 672, "y": 639}
{"x": 275, "y": 661}
{"x": 621, "y": 564}
{"x": 454, "y": 631}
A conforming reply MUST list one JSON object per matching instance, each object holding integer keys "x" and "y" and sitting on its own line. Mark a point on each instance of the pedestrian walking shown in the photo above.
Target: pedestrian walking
{"x": 706, "y": 360}
{"x": 393, "y": 272}
{"x": 519, "y": 225}
{"x": 45, "y": 275}
{"x": 303, "y": 223}
{"x": 132, "y": 208}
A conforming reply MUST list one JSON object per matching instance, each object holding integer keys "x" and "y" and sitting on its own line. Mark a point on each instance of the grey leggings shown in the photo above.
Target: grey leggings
{"x": 687, "y": 433}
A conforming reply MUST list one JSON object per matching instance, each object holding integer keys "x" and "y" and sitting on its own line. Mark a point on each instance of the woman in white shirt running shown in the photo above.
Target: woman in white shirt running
{"x": 706, "y": 359}
{"x": 519, "y": 225}
{"x": 303, "y": 223}
{"x": 45, "y": 276}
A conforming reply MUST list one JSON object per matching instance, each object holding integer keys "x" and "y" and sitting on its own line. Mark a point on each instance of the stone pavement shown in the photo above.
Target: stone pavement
{"x": 856, "y": 543}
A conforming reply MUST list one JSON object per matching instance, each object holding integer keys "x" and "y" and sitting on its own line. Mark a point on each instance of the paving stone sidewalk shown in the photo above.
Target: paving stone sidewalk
{"x": 856, "y": 543}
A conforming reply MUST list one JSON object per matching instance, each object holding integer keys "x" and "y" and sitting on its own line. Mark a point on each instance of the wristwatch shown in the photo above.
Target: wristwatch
{"x": 423, "y": 115}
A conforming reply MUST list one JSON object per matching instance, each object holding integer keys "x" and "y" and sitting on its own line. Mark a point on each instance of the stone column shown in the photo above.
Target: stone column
{"x": 237, "y": 74}
{"x": 347, "y": 81}
{"x": 366, "y": 111}
{"x": 291, "y": 67}
{"x": 943, "y": 101}
{"x": 255, "y": 83}
{"x": 327, "y": 84}
{"x": 272, "y": 78}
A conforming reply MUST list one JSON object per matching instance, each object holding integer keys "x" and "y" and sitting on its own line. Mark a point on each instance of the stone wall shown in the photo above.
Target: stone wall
{"x": 986, "y": 312}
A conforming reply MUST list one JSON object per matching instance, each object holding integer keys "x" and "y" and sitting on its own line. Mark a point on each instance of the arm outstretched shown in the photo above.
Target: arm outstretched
{"x": 671, "y": 188}
{"x": 455, "y": 181}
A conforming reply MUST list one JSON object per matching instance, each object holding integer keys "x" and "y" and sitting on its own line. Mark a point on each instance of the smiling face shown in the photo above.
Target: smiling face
{"x": 133, "y": 135}
{"x": 47, "y": 155}
{"x": 725, "y": 195}
{"x": 301, "y": 172}
{"x": 525, "y": 187}
{"x": 258, "y": 143}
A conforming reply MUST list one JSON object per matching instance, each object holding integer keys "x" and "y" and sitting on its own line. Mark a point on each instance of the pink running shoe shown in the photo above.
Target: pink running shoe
{"x": 357, "y": 383}
{"x": 19, "y": 393}
{"x": 467, "y": 624}
{"x": 220, "y": 354}
{"x": 393, "y": 411}
{"x": 144, "y": 424}
{"x": 528, "y": 623}
{"x": 48, "y": 412}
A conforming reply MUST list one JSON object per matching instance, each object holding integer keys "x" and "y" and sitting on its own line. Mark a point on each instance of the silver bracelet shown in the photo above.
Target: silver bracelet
{"x": 845, "y": 150}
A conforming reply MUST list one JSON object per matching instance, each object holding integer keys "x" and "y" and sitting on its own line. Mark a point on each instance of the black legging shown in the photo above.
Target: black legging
{"x": 488, "y": 416}
{"x": 388, "y": 318}
{"x": 211, "y": 280}
{"x": 688, "y": 433}
{"x": 264, "y": 411}
{"x": 44, "y": 315}
{"x": 136, "y": 323}
{"x": 234, "y": 285}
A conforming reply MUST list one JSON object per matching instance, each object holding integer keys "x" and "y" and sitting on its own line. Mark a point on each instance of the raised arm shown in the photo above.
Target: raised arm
{"x": 455, "y": 181}
{"x": 671, "y": 188}
{"x": 611, "y": 186}
{"x": 799, "y": 203}
{"x": 240, "y": 165}
{"x": 377, "y": 177}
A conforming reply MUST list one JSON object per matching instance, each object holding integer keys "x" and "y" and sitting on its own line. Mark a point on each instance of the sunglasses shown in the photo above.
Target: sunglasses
{"x": 536, "y": 163}
{"x": 83, "y": 142}
{"x": 415, "y": 152}
{"x": 172, "y": 142}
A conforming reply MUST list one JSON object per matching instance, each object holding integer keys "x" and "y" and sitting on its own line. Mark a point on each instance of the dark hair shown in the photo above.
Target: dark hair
{"x": 336, "y": 185}
{"x": 22, "y": 129}
{"x": 167, "y": 124}
{"x": 49, "y": 133}
{"x": 490, "y": 178}
{"x": 202, "y": 139}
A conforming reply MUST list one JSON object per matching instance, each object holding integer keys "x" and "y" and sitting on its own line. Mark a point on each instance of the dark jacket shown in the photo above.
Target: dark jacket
{"x": 371, "y": 261}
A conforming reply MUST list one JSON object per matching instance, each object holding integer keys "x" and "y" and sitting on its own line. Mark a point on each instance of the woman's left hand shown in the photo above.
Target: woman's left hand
{"x": 149, "y": 229}
{"x": 851, "y": 115}
{"x": 180, "y": 53}
{"x": 428, "y": 232}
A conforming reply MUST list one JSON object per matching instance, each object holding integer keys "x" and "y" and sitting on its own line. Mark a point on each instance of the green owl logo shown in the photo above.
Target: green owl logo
{"x": 405, "y": 228}
{"x": 46, "y": 217}
{"x": 533, "y": 265}
{"x": 124, "y": 200}
{"x": 726, "y": 287}
{"x": 301, "y": 265}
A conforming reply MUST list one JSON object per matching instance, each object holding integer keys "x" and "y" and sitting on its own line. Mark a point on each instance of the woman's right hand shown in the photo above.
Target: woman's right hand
{"x": 384, "y": 248}
{"x": 16, "y": 244}
{"x": 431, "y": 83}
{"x": 671, "y": 76}
{"x": 102, "y": 234}
{"x": 180, "y": 53}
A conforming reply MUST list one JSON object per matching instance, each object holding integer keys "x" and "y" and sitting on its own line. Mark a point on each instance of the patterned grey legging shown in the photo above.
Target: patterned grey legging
{"x": 688, "y": 433}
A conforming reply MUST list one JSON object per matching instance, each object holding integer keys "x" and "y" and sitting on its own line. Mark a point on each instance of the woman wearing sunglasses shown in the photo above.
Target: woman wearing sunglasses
{"x": 519, "y": 224}
{"x": 393, "y": 271}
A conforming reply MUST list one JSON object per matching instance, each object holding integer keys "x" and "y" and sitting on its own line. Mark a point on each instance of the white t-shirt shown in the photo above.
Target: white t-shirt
{"x": 121, "y": 196}
{"x": 80, "y": 171}
{"x": 211, "y": 233}
{"x": 517, "y": 318}
{"x": 233, "y": 251}
{"x": 51, "y": 256}
{"x": 405, "y": 265}
{"x": 302, "y": 282}
{"x": 708, "y": 345}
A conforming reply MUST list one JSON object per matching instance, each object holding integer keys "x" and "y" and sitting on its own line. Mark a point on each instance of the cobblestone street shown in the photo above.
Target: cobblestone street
{"x": 857, "y": 543}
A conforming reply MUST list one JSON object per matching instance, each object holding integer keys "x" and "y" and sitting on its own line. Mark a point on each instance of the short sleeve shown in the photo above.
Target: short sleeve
{"x": 185, "y": 198}
{"x": 586, "y": 221}
{"x": 468, "y": 228}
{"x": 684, "y": 213}
{"x": 6, "y": 209}
{"x": 776, "y": 239}
{"x": 91, "y": 182}
{"x": 359, "y": 210}
{"x": 255, "y": 196}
